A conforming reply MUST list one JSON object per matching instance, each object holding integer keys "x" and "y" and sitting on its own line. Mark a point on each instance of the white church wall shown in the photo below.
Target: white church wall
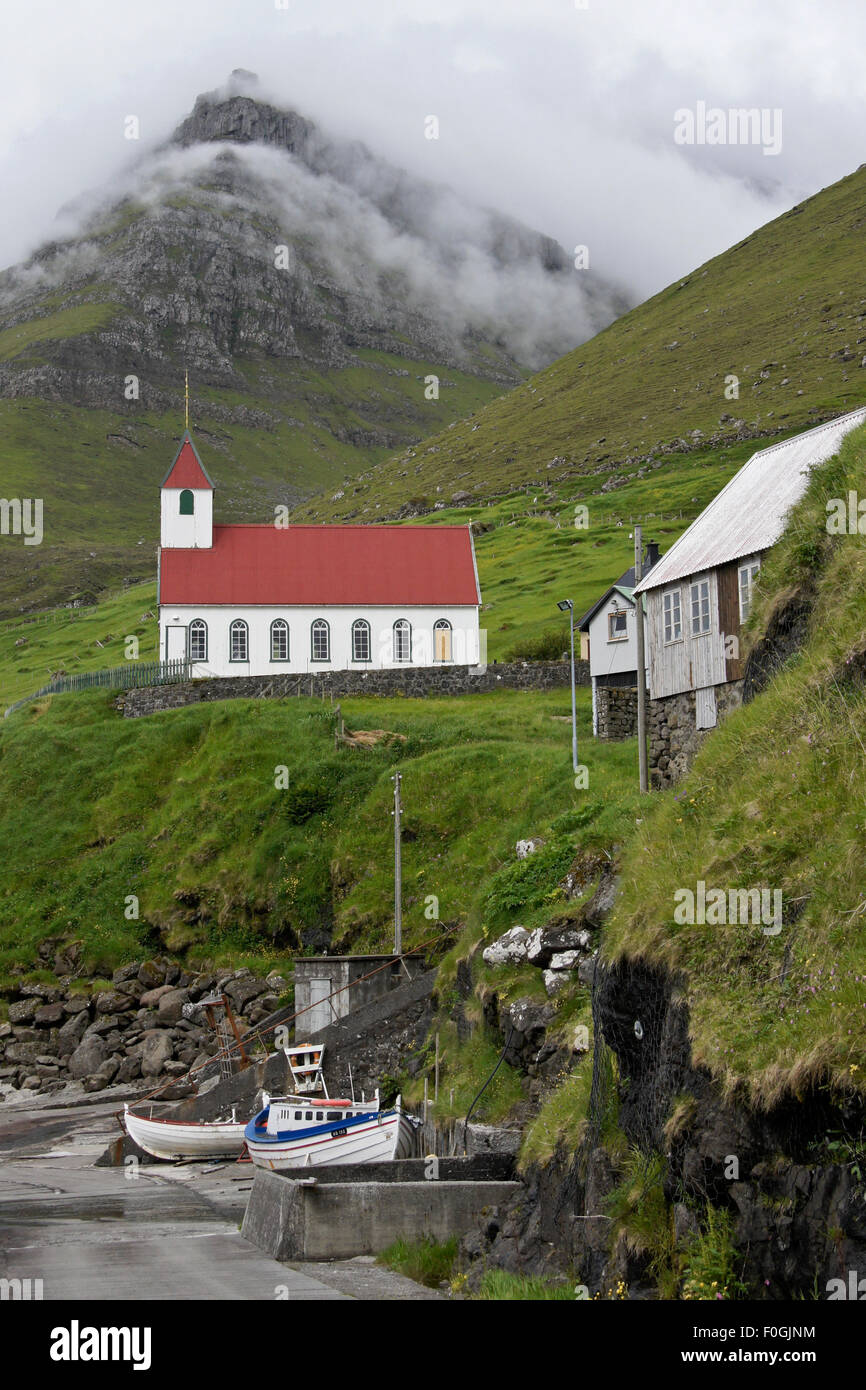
{"x": 175, "y": 619}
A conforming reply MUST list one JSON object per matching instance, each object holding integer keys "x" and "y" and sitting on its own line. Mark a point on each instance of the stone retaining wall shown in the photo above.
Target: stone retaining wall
{"x": 415, "y": 681}
{"x": 616, "y": 710}
{"x": 673, "y": 734}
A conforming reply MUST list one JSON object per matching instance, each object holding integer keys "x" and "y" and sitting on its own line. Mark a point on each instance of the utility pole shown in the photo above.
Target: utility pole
{"x": 566, "y": 606}
{"x": 641, "y": 662}
{"x": 398, "y": 869}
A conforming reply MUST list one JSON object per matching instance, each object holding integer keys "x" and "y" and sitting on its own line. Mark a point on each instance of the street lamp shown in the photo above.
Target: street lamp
{"x": 566, "y": 606}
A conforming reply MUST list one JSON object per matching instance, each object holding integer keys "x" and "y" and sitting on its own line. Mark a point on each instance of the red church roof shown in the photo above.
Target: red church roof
{"x": 324, "y": 565}
{"x": 187, "y": 469}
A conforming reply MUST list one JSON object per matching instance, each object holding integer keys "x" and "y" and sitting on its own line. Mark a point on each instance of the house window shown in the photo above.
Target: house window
{"x": 402, "y": 640}
{"x": 617, "y": 626}
{"x": 238, "y": 641}
{"x": 747, "y": 584}
{"x": 700, "y": 597}
{"x": 673, "y": 622}
{"x": 360, "y": 640}
{"x": 321, "y": 641}
{"x": 279, "y": 640}
{"x": 187, "y": 502}
{"x": 198, "y": 640}
{"x": 442, "y": 640}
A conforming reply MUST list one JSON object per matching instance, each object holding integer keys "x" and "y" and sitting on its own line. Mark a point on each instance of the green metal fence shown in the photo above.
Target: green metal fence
{"x": 114, "y": 678}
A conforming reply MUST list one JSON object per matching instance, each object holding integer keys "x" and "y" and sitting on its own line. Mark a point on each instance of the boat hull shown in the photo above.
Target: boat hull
{"x": 378, "y": 1138}
{"x": 173, "y": 1139}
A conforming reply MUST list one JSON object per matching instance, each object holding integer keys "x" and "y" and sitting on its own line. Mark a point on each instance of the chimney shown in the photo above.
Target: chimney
{"x": 652, "y": 556}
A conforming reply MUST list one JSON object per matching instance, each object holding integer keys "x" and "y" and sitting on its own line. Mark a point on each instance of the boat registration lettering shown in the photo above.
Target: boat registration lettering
{"x": 339, "y": 1133}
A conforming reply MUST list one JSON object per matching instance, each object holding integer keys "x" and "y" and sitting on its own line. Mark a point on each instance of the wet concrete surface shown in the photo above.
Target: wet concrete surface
{"x": 139, "y": 1233}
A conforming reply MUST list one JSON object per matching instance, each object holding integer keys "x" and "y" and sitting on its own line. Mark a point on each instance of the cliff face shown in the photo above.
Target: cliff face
{"x": 794, "y": 1194}
{"x": 251, "y": 234}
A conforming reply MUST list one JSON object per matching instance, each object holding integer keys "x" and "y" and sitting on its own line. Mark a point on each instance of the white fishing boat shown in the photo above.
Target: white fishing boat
{"x": 177, "y": 1139}
{"x": 299, "y": 1132}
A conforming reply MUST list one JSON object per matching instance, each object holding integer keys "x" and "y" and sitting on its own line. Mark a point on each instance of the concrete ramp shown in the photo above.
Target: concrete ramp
{"x": 311, "y": 1216}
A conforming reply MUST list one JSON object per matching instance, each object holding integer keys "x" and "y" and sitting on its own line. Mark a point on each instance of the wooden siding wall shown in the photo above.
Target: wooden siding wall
{"x": 728, "y": 582}
{"x": 693, "y": 662}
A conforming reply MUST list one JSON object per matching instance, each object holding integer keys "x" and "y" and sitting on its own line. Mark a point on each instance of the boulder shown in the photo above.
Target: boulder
{"x": 23, "y": 1010}
{"x": 523, "y": 848}
{"x": 126, "y": 972}
{"x": 151, "y": 974}
{"x": 546, "y": 942}
{"x": 24, "y": 1053}
{"x": 87, "y": 1058}
{"x": 47, "y": 994}
{"x": 114, "y": 1001}
{"x": 67, "y": 959}
{"x": 156, "y": 1049}
{"x": 49, "y": 1016}
{"x": 76, "y": 1004}
{"x": 529, "y": 1016}
{"x": 150, "y": 999}
{"x": 508, "y": 949}
{"x": 129, "y": 1070}
{"x": 565, "y": 960}
{"x": 104, "y": 1026}
{"x": 5, "y": 1030}
{"x": 242, "y": 991}
{"x": 171, "y": 1005}
{"x": 554, "y": 981}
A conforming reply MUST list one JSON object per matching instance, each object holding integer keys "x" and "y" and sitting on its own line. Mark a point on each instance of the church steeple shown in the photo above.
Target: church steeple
{"x": 186, "y": 501}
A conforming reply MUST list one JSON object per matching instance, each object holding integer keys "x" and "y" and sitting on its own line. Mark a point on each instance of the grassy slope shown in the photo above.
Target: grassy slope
{"x": 181, "y": 810}
{"x": 98, "y": 472}
{"x": 783, "y": 301}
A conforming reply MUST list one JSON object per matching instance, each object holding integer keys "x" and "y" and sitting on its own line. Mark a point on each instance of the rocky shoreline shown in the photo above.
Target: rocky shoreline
{"x": 143, "y": 1029}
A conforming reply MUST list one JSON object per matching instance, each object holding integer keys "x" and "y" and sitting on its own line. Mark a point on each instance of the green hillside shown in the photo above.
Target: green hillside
{"x": 182, "y": 810}
{"x": 784, "y": 311}
{"x": 98, "y": 471}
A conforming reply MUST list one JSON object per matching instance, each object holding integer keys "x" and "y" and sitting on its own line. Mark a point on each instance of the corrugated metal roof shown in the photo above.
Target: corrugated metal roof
{"x": 749, "y": 513}
{"x": 358, "y": 565}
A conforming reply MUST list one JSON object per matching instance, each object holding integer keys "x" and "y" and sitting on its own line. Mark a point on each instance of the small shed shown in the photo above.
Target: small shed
{"x": 329, "y": 987}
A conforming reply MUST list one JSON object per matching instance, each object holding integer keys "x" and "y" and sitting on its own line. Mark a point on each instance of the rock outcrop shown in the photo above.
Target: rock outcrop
{"x": 145, "y": 1030}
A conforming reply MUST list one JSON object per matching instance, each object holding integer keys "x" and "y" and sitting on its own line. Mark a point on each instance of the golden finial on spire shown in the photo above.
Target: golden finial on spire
{"x": 186, "y": 396}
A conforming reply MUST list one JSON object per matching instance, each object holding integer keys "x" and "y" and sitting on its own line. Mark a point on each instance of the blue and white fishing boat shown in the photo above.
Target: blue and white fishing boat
{"x": 302, "y": 1132}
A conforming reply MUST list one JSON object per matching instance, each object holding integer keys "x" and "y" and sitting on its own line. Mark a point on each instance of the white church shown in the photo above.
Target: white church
{"x": 257, "y": 600}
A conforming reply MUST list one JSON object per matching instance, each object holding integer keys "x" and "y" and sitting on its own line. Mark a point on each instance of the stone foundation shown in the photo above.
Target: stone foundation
{"x": 616, "y": 711}
{"x": 673, "y": 734}
{"x": 413, "y": 681}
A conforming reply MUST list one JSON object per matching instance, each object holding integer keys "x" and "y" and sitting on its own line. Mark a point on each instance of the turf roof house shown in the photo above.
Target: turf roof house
{"x": 608, "y": 633}
{"x": 252, "y": 600}
{"x": 699, "y": 594}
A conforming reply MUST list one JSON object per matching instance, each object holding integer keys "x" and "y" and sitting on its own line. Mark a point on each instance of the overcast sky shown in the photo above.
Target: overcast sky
{"x": 559, "y": 115}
